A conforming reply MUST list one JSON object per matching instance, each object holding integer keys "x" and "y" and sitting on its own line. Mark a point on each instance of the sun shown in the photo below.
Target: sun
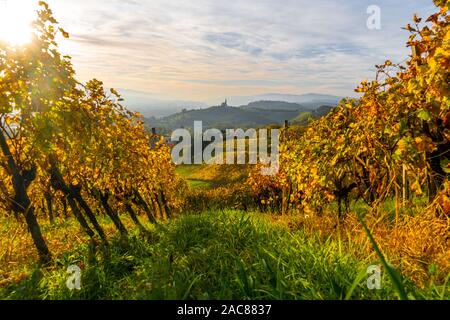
{"x": 16, "y": 17}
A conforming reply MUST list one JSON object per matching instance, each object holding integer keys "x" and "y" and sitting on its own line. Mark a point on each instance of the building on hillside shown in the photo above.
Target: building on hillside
{"x": 224, "y": 104}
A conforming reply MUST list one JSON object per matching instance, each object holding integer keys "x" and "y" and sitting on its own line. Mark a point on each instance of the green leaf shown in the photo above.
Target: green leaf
{"x": 424, "y": 115}
{"x": 445, "y": 165}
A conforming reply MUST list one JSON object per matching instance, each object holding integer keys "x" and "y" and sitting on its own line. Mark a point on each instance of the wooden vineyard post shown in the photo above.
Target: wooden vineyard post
{"x": 404, "y": 186}
{"x": 154, "y": 138}
{"x": 285, "y": 195}
{"x": 396, "y": 206}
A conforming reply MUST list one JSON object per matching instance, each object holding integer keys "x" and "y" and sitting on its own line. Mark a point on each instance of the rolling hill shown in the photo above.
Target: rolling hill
{"x": 308, "y": 100}
{"x": 151, "y": 105}
{"x": 252, "y": 115}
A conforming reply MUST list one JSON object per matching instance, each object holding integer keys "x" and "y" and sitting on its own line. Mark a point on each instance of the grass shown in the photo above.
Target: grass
{"x": 394, "y": 276}
{"x": 216, "y": 255}
{"x": 194, "y": 177}
{"x": 199, "y": 184}
{"x": 211, "y": 176}
{"x": 18, "y": 254}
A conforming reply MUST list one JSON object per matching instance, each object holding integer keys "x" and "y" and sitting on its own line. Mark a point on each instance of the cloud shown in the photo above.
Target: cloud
{"x": 233, "y": 40}
{"x": 204, "y": 49}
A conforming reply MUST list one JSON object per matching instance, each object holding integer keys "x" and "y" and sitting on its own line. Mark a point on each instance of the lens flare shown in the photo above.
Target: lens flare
{"x": 16, "y": 17}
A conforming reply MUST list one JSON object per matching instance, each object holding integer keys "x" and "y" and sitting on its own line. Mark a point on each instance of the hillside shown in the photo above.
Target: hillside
{"x": 152, "y": 106}
{"x": 215, "y": 255}
{"x": 309, "y": 100}
{"x": 254, "y": 114}
{"x": 274, "y": 105}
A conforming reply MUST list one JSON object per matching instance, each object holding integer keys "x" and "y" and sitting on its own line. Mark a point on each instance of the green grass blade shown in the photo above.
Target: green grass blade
{"x": 393, "y": 274}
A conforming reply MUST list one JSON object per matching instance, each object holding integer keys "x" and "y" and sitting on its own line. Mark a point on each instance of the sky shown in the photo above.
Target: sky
{"x": 205, "y": 50}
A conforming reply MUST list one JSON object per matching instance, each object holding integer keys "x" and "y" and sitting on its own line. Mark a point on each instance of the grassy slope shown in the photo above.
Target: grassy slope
{"x": 216, "y": 255}
{"x": 210, "y": 176}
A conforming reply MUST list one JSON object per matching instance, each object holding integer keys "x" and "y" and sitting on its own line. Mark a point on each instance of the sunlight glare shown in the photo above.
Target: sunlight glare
{"x": 15, "y": 20}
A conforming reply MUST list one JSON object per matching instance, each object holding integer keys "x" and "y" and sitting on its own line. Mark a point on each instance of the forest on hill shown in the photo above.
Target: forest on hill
{"x": 253, "y": 115}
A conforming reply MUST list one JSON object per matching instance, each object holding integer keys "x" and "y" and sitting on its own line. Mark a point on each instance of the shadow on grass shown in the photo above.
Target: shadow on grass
{"x": 214, "y": 255}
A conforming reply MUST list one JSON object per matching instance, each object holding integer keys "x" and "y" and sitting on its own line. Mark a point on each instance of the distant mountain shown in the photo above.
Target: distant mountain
{"x": 252, "y": 115}
{"x": 150, "y": 106}
{"x": 310, "y": 100}
{"x": 274, "y": 105}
